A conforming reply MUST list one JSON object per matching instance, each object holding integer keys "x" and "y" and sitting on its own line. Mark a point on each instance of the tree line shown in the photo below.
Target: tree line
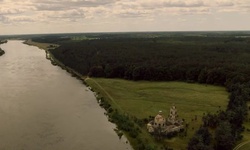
{"x": 228, "y": 124}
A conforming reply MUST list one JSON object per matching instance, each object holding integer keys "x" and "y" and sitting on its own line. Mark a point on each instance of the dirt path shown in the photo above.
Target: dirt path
{"x": 109, "y": 96}
{"x": 240, "y": 145}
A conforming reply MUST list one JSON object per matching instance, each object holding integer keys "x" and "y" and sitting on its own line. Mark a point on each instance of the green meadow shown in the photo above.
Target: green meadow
{"x": 144, "y": 98}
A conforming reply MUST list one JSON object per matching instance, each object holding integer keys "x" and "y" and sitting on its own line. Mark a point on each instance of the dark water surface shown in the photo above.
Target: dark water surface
{"x": 43, "y": 108}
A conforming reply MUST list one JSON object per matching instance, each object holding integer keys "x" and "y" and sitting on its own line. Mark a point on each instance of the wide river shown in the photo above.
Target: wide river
{"x": 43, "y": 108}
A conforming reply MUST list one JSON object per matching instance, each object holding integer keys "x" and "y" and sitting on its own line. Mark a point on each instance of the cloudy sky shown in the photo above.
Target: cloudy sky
{"x": 63, "y": 16}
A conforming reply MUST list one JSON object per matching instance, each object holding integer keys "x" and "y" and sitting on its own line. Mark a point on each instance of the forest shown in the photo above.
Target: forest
{"x": 218, "y": 58}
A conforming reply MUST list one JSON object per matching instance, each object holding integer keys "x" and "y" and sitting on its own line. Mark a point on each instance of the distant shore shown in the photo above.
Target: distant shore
{"x": 3, "y": 41}
{"x": 44, "y": 46}
{"x": 1, "y": 50}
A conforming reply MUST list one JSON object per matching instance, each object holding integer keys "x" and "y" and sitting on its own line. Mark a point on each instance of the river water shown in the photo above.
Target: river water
{"x": 43, "y": 108}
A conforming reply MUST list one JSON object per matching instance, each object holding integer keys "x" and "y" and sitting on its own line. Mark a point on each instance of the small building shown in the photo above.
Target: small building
{"x": 165, "y": 126}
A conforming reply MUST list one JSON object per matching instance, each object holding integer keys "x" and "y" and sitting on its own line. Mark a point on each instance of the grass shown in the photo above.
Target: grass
{"x": 246, "y": 134}
{"x": 44, "y": 46}
{"x": 245, "y": 147}
{"x": 143, "y": 99}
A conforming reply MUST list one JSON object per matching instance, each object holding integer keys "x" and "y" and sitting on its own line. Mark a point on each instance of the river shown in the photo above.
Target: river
{"x": 43, "y": 108}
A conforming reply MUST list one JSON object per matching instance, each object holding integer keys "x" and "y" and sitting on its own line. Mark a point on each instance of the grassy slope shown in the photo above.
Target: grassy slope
{"x": 144, "y": 98}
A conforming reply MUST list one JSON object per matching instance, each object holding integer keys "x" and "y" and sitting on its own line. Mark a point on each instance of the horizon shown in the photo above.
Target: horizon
{"x": 97, "y": 16}
{"x": 121, "y": 32}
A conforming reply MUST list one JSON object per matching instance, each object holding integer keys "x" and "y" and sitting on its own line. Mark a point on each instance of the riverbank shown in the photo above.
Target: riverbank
{"x": 54, "y": 61}
{"x": 2, "y": 52}
{"x": 3, "y": 41}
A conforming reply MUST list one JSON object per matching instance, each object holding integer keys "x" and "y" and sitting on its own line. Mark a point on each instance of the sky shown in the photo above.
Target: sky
{"x": 74, "y": 16}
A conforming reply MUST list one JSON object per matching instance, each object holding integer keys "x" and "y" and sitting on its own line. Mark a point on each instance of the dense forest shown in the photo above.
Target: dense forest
{"x": 221, "y": 58}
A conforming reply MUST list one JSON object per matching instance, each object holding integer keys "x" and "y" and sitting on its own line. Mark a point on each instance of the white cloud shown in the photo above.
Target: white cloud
{"x": 99, "y": 12}
{"x": 3, "y": 19}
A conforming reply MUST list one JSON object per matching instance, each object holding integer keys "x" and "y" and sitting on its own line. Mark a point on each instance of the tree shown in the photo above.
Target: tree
{"x": 201, "y": 140}
{"x": 96, "y": 71}
{"x": 224, "y": 137}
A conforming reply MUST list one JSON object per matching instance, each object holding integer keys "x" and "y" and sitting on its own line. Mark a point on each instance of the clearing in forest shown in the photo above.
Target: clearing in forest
{"x": 144, "y": 98}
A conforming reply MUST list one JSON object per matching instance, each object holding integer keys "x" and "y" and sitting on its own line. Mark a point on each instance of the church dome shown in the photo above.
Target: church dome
{"x": 159, "y": 120}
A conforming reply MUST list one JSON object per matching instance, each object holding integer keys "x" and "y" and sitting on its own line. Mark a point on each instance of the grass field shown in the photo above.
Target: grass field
{"x": 144, "y": 98}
